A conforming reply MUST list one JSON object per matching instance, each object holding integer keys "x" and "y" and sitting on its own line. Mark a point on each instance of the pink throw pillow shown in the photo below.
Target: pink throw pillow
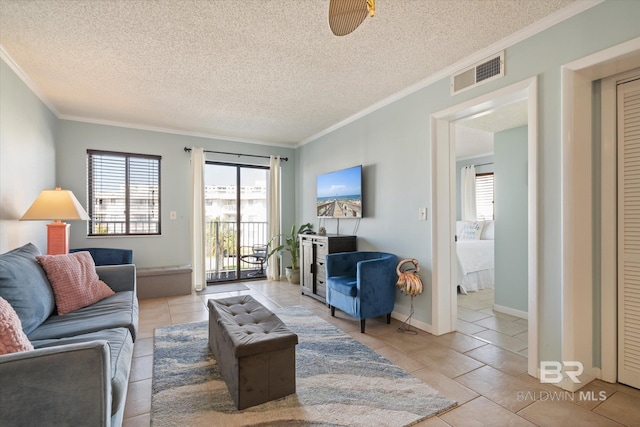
{"x": 12, "y": 338}
{"x": 74, "y": 280}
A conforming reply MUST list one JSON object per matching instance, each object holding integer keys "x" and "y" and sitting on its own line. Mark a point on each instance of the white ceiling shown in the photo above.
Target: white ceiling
{"x": 266, "y": 71}
{"x": 474, "y": 135}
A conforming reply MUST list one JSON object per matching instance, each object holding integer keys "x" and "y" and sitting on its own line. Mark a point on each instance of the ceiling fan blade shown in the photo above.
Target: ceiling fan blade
{"x": 346, "y": 15}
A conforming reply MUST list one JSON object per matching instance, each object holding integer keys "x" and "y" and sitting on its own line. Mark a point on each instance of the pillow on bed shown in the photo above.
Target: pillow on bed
{"x": 472, "y": 230}
{"x": 488, "y": 232}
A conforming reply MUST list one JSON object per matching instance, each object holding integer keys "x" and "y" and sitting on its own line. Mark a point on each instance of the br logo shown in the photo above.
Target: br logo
{"x": 551, "y": 371}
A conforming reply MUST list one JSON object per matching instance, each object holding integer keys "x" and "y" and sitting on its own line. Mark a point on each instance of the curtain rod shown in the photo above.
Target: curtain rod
{"x": 286, "y": 159}
{"x": 482, "y": 164}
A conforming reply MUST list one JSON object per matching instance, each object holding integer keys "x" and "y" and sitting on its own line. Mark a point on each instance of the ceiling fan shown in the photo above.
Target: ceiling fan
{"x": 346, "y": 15}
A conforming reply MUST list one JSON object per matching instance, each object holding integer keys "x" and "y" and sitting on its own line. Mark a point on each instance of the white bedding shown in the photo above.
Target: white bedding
{"x": 475, "y": 264}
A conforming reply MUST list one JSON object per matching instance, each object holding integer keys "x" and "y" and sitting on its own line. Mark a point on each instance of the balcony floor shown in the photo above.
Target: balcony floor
{"x": 229, "y": 276}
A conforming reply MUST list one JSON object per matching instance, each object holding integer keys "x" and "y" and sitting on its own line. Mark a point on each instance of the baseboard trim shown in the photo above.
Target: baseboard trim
{"x": 414, "y": 323}
{"x": 511, "y": 311}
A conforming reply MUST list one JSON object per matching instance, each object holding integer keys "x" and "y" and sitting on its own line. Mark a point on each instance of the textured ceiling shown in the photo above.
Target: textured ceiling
{"x": 474, "y": 136}
{"x": 256, "y": 70}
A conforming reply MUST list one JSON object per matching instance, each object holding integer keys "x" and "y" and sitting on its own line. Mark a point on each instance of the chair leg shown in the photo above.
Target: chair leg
{"x": 388, "y": 318}
{"x": 362, "y": 326}
{"x": 333, "y": 311}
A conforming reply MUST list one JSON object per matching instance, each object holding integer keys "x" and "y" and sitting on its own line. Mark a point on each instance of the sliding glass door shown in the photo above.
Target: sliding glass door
{"x": 236, "y": 221}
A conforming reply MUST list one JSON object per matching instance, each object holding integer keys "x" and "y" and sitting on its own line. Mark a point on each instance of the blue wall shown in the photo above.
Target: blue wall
{"x": 393, "y": 144}
{"x": 511, "y": 215}
{"x": 39, "y": 151}
{"x": 27, "y": 160}
{"x": 172, "y": 247}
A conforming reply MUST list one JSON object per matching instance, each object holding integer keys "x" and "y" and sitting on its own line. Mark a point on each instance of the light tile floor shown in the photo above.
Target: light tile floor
{"x": 489, "y": 383}
{"x": 477, "y": 318}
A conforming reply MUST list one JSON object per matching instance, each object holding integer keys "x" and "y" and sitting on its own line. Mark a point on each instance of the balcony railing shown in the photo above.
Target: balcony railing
{"x": 106, "y": 228}
{"x": 221, "y": 251}
{"x": 222, "y": 256}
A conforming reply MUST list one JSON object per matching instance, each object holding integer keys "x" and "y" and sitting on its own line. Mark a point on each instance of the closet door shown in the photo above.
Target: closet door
{"x": 628, "y": 112}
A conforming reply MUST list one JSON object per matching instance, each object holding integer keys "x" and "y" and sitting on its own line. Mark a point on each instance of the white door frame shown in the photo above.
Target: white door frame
{"x": 577, "y": 231}
{"x": 444, "y": 302}
{"x": 607, "y": 65}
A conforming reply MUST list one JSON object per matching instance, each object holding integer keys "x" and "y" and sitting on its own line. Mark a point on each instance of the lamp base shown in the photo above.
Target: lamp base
{"x": 57, "y": 238}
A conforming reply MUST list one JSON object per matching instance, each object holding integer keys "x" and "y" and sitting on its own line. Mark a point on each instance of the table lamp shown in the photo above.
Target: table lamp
{"x": 57, "y": 205}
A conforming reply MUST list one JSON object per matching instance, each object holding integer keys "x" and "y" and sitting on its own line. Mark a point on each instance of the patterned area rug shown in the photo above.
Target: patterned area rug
{"x": 339, "y": 382}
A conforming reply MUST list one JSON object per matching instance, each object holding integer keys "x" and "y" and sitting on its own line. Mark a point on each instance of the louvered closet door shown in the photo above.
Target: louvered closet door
{"x": 629, "y": 233}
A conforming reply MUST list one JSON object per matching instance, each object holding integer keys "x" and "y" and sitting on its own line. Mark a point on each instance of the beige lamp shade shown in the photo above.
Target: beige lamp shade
{"x": 55, "y": 204}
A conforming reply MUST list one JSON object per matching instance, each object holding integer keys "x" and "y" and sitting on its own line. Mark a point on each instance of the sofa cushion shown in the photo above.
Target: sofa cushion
{"x": 74, "y": 280}
{"x": 346, "y": 285}
{"x": 24, "y": 285}
{"x": 117, "y": 311}
{"x": 121, "y": 348}
{"x": 12, "y": 338}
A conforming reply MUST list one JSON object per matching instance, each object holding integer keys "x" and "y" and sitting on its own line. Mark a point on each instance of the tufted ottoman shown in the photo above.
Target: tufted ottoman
{"x": 255, "y": 351}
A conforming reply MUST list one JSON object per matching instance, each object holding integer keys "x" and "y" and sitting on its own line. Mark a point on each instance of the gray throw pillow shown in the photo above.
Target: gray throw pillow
{"x": 24, "y": 284}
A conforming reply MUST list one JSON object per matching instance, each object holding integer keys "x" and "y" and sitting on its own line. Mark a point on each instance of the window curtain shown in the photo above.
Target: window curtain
{"x": 273, "y": 267}
{"x": 468, "y": 193}
{"x": 198, "y": 240}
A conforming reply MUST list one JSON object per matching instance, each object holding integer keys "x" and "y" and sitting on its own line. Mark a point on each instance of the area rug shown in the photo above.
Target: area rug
{"x": 339, "y": 382}
{"x": 216, "y": 289}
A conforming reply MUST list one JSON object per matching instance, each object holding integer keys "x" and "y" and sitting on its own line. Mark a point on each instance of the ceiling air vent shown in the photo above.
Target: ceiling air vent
{"x": 479, "y": 73}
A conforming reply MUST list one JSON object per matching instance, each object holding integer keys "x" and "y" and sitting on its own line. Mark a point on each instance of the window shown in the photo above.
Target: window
{"x": 124, "y": 193}
{"x": 484, "y": 196}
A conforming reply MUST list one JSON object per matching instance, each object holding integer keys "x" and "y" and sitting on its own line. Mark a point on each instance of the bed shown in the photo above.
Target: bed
{"x": 475, "y": 250}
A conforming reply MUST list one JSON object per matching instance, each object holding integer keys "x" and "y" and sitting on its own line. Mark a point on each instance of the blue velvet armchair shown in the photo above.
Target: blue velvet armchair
{"x": 108, "y": 256}
{"x": 362, "y": 284}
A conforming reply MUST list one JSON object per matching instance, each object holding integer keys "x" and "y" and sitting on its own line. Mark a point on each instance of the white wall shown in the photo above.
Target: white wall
{"x": 27, "y": 160}
{"x": 393, "y": 144}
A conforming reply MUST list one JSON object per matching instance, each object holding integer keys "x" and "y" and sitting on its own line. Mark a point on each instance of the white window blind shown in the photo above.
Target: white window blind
{"x": 124, "y": 193}
{"x": 484, "y": 196}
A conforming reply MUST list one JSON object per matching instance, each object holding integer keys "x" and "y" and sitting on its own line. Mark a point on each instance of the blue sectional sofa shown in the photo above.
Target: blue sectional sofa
{"x": 78, "y": 372}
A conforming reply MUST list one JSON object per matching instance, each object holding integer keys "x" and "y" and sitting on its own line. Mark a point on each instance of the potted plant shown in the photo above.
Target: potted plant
{"x": 291, "y": 245}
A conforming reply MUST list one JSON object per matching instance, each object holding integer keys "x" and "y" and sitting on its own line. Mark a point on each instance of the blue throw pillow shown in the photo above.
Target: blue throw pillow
{"x": 24, "y": 284}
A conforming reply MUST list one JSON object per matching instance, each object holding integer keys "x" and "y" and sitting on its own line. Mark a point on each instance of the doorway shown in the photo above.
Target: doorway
{"x": 590, "y": 295}
{"x": 626, "y": 108}
{"x": 236, "y": 222}
{"x": 444, "y": 307}
{"x": 491, "y": 195}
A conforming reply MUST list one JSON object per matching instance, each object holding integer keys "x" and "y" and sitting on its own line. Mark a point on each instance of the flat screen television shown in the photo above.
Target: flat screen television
{"x": 339, "y": 193}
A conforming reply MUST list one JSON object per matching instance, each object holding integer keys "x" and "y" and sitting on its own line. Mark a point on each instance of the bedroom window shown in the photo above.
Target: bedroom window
{"x": 484, "y": 196}
{"x": 124, "y": 193}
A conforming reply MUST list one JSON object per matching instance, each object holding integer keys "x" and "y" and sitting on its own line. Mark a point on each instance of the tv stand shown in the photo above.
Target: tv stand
{"x": 313, "y": 250}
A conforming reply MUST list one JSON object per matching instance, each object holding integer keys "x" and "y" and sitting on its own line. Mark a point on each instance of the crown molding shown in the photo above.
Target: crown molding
{"x": 543, "y": 24}
{"x": 523, "y": 34}
{"x": 172, "y": 131}
{"x": 8, "y": 59}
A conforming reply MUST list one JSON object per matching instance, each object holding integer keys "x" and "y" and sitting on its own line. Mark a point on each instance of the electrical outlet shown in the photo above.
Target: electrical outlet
{"x": 173, "y": 215}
